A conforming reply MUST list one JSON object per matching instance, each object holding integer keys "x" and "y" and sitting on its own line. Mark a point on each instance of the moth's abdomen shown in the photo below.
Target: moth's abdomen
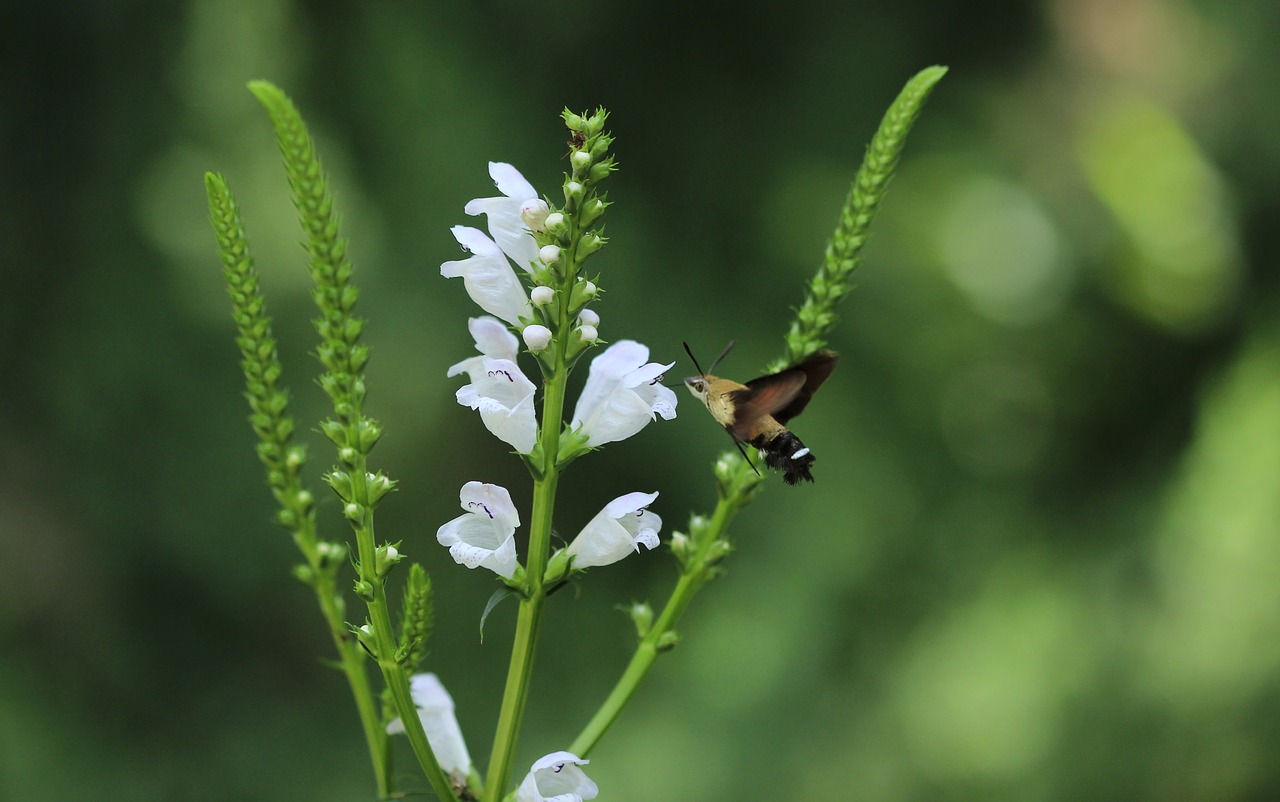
{"x": 784, "y": 452}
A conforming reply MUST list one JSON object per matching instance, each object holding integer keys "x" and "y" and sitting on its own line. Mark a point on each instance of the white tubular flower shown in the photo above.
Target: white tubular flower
{"x": 504, "y": 397}
{"x": 557, "y": 778}
{"x": 485, "y": 535}
{"x": 488, "y": 276}
{"x": 622, "y": 394}
{"x": 492, "y": 339}
{"x": 435, "y": 710}
{"x": 511, "y": 216}
{"x": 621, "y": 528}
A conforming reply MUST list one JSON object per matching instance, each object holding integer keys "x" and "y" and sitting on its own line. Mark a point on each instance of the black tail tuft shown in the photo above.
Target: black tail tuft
{"x": 787, "y": 454}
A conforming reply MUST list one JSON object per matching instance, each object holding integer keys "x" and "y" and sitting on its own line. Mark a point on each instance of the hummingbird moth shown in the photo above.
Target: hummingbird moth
{"x": 757, "y": 412}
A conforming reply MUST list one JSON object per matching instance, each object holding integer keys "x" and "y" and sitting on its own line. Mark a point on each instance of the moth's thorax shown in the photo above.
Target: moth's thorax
{"x": 716, "y": 393}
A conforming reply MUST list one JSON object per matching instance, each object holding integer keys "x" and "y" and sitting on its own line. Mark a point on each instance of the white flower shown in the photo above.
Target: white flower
{"x": 557, "y": 778}
{"x": 492, "y": 340}
{"x": 511, "y": 217}
{"x": 537, "y": 337}
{"x": 618, "y": 530}
{"x": 504, "y": 397}
{"x": 435, "y": 710}
{"x": 485, "y": 534}
{"x": 622, "y": 394}
{"x": 488, "y": 276}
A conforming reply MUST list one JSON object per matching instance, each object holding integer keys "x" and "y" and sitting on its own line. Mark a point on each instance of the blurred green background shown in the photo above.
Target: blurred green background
{"x": 1040, "y": 560}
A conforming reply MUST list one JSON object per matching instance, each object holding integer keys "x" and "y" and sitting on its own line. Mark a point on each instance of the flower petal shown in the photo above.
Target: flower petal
{"x": 557, "y": 777}
{"x": 622, "y": 394}
{"x": 483, "y": 536}
{"x": 506, "y": 226}
{"x": 488, "y": 276}
{"x": 616, "y": 531}
{"x": 504, "y": 397}
{"x": 492, "y": 339}
{"x": 436, "y": 711}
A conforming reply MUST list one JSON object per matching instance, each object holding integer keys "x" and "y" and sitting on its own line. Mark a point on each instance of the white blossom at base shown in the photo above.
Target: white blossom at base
{"x": 558, "y": 777}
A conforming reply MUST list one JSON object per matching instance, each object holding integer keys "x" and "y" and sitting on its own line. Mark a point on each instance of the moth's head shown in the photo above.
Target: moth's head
{"x": 698, "y": 386}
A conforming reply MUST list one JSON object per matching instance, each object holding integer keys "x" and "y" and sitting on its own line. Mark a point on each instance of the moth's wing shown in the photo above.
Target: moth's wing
{"x": 764, "y": 396}
{"x": 813, "y": 370}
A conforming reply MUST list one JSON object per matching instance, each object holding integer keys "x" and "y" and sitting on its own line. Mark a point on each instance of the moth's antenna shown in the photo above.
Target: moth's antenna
{"x": 723, "y": 353}
{"x": 689, "y": 351}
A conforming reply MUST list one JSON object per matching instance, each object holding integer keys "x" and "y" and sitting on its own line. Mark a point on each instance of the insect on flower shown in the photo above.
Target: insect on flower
{"x": 757, "y": 412}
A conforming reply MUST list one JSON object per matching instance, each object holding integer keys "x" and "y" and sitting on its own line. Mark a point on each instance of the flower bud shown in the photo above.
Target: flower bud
{"x": 642, "y": 616}
{"x": 679, "y": 545}
{"x": 549, "y": 254}
{"x": 340, "y": 481}
{"x": 368, "y": 433}
{"x": 365, "y": 591}
{"x": 533, "y": 213}
{"x": 377, "y": 485}
{"x": 589, "y": 244}
{"x": 573, "y": 189}
{"x": 353, "y": 512}
{"x": 364, "y": 633}
{"x": 537, "y": 337}
{"x": 330, "y": 553}
{"x": 592, "y": 210}
{"x": 335, "y": 431}
{"x": 667, "y": 641}
{"x": 541, "y": 296}
{"x": 386, "y": 556}
{"x": 580, "y": 160}
{"x": 588, "y": 334}
{"x": 347, "y": 454}
{"x": 588, "y": 317}
{"x": 554, "y": 223}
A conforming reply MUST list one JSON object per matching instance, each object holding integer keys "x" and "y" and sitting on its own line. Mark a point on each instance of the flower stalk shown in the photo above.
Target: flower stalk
{"x": 700, "y": 551}
{"x": 284, "y": 461}
{"x": 556, "y": 359}
{"x": 351, "y": 431}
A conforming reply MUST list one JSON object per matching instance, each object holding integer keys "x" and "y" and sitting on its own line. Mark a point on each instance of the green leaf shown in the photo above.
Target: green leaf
{"x": 497, "y": 598}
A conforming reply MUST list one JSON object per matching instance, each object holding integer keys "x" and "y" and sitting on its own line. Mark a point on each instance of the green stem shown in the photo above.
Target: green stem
{"x": 353, "y": 666}
{"x": 698, "y": 571}
{"x": 385, "y": 639}
{"x": 529, "y": 620}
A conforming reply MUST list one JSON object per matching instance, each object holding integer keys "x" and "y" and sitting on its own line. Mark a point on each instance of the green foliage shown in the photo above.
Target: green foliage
{"x": 416, "y": 618}
{"x": 816, "y": 317}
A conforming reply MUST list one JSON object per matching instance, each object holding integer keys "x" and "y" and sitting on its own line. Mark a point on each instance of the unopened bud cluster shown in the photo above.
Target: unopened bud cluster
{"x": 566, "y": 238}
